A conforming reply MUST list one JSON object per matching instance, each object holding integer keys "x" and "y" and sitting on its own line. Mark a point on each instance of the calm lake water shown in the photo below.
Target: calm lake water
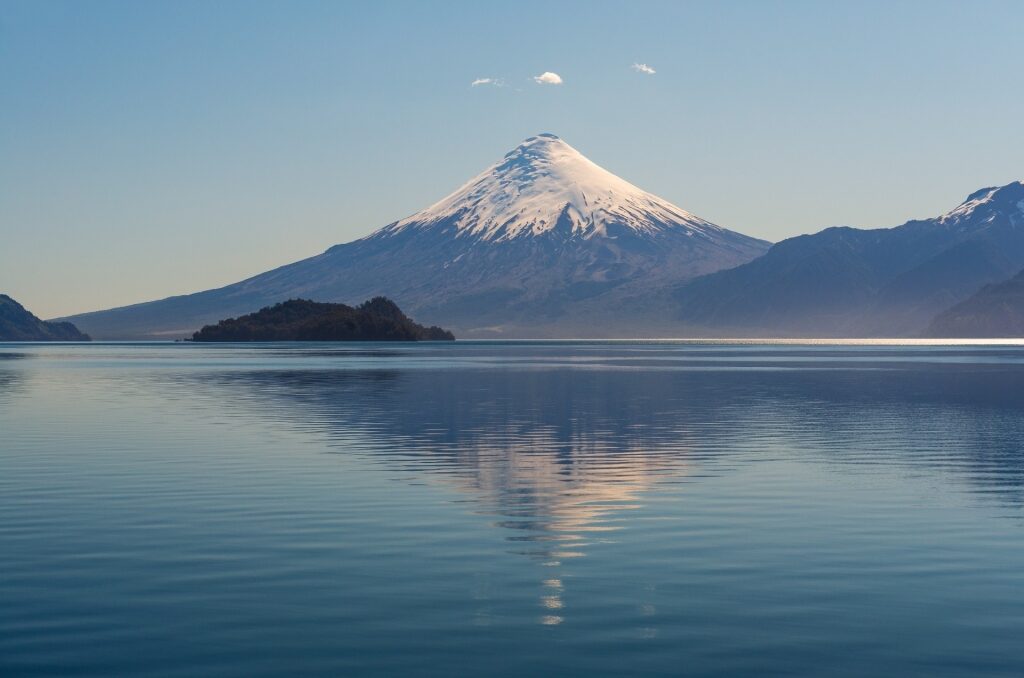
{"x": 512, "y": 509}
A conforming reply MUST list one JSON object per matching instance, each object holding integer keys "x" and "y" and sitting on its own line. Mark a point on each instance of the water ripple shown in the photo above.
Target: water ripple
{"x": 604, "y": 507}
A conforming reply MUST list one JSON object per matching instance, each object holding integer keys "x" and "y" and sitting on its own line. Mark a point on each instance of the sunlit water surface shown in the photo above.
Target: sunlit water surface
{"x": 512, "y": 509}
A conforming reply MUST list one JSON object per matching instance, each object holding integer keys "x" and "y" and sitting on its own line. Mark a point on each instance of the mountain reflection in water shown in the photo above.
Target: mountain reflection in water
{"x": 509, "y": 509}
{"x": 554, "y": 462}
{"x": 557, "y": 450}
{"x": 534, "y": 439}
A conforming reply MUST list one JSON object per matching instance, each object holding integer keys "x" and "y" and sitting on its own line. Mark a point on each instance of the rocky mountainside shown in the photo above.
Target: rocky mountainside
{"x": 542, "y": 243}
{"x": 18, "y": 324}
{"x": 995, "y": 311}
{"x": 851, "y": 282}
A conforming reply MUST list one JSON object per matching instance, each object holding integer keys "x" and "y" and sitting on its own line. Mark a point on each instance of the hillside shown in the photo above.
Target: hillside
{"x": 18, "y": 324}
{"x": 994, "y": 311}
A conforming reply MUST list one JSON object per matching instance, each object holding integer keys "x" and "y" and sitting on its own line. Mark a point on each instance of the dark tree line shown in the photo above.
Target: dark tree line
{"x": 378, "y": 319}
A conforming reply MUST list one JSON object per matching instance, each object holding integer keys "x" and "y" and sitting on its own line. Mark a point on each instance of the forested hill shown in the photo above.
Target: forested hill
{"x": 378, "y": 319}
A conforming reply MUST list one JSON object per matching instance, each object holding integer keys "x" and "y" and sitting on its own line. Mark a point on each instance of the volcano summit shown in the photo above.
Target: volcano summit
{"x": 542, "y": 243}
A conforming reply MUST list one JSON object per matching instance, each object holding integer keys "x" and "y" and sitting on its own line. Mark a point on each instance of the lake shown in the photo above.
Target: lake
{"x": 505, "y": 509}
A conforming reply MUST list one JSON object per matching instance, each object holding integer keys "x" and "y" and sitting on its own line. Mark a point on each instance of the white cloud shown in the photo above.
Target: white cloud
{"x": 486, "y": 81}
{"x": 548, "y": 78}
{"x": 643, "y": 68}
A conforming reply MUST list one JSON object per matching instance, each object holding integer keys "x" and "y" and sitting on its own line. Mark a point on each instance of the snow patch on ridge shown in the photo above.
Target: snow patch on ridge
{"x": 985, "y": 198}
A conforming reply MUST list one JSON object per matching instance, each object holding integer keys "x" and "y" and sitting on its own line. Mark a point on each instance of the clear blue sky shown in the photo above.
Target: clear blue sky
{"x": 149, "y": 148}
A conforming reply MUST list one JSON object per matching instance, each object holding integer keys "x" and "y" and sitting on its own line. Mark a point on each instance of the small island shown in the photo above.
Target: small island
{"x": 19, "y": 324}
{"x": 378, "y": 319}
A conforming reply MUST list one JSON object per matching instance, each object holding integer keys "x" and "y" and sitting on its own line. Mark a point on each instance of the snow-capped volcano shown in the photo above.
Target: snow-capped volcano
{"x": 542, "y": 243}
{"x": 545, "y": 183}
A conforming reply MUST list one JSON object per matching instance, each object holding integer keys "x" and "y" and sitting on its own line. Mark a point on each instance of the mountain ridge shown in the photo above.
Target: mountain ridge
{"x": 844, "y": 281}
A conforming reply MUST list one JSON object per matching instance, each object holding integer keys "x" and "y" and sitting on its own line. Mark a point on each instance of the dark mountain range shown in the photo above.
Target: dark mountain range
{"x": 543, "y": 243}
{"x": 378, "y": 319}
{"x": 18, "y": 324}
{"x": 850, "y": 282}
{"x": 995, "y": 311}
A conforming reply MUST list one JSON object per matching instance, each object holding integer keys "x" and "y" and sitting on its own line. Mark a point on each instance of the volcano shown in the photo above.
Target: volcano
{"x": 544, "y": 243}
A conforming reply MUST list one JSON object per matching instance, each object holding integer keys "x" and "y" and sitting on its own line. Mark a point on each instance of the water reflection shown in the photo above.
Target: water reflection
{"x": 591, "y": 509}
{"x": 556, "y": 462}
{"x": 533, "y": 441}
{"x": 561, "y": 456}
{"x": 11, "y": 383}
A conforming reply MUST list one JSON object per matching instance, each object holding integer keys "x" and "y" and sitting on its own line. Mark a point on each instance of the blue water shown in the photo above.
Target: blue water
{"x": 512, "y": 509}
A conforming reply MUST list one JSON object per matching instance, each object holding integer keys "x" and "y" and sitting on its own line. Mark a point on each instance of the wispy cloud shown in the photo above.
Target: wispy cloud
{"x": 548, "y": 78}
{"x": 487, "y": 81}
{"x": 644, "y": 68}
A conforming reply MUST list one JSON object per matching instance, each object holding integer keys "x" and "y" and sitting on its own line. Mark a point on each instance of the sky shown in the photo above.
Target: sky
{"x": 157, "y": 148}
